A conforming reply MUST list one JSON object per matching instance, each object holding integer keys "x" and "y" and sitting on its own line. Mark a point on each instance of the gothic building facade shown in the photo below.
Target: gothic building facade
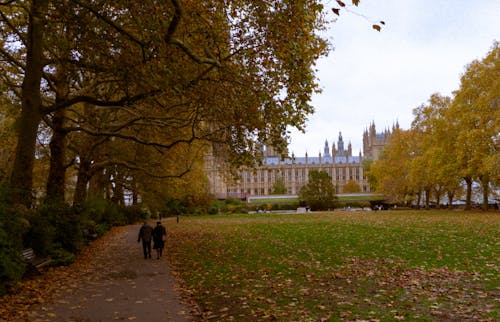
{"x": 337, "y": 160}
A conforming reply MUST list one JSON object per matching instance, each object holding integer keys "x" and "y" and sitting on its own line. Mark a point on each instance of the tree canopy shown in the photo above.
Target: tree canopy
{"x": 318, "y": 192}
{"x": 112, "y": 82}
{"x": 453, "y": 142}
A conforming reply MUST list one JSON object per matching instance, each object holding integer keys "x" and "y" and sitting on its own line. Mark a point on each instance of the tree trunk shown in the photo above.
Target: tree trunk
{"x": 468, "y": 195}
{"x": 135, "y": 195}
{"x": 427, "y": 193}
{"x": 81, "y": 182}
{"x": 486, "y": 190}
{"x": 419, "y": 199}
{"x": 97, "y": 185}
{"x": 438, "y": 198}
{"x": 22, "y": 173}
{"x": 56, "y": 182}
{"x": 451, "y": 195}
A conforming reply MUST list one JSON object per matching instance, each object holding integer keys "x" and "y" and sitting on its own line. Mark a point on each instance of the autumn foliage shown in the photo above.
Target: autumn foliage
{"x": 452, "y": 145}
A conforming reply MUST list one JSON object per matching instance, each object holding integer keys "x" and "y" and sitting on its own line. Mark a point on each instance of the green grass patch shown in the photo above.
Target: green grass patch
{"x": 263, "y": 201}
{"x": 413, "y": 265}
{"x": 360, "y": 198}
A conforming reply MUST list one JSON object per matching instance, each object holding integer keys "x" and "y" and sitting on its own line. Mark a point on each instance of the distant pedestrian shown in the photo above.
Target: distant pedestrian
{"x": 145, "y": 234}
{"x": 159, "y": 238}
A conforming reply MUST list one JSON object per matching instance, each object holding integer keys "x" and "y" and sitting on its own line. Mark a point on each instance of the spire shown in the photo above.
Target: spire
{"x": 326, "y": 150}
{"x": 340, "y": 145}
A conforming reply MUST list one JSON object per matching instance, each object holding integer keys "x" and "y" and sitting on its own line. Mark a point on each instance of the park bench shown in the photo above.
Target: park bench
{"x": 34, "y": 262}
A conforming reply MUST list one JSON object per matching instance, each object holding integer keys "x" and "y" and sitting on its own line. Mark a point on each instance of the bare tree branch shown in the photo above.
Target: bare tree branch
{"x": 126, "y": 100}
{"x": 13, "y": 28}
{"x": 132, "y": 138}
{"x": 169, "y": 39}
{"x": 132, "y": 166}
{"x": 111, "y": 23}
{"x": 12, "y": 59}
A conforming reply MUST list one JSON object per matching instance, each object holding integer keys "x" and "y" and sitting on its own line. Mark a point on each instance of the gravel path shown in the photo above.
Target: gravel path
{"x": 116, "y": 283}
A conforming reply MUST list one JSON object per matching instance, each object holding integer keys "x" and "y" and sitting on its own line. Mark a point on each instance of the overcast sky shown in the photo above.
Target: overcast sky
{"x": 382, "y": 76}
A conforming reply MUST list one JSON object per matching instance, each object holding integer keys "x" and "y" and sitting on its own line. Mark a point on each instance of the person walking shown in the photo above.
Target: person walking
{"x": 145, "y": 234}
{"x": 159, "y": 237}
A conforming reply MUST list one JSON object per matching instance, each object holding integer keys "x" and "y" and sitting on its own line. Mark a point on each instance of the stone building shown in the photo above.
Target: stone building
{"x": 337, "y": 160}
{"x": 373, "y": 142}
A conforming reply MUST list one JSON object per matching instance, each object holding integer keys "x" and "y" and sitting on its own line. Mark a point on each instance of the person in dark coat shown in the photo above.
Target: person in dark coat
{"x": 145, "y": 234}
{"x": 159, "y": 237}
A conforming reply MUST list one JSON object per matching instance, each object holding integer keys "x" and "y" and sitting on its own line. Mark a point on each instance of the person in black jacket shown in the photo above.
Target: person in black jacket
{"x": 145, "y": 234}
{"x": 159, "y": 237}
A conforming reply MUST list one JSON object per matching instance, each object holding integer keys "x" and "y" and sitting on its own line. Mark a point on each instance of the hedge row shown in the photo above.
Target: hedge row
{"x": 55, "y": 230}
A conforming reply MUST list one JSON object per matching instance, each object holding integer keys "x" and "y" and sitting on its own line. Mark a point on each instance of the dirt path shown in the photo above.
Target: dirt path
{"x": 114, "y": 282}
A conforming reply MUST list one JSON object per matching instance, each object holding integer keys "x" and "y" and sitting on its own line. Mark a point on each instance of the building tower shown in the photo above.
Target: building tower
{"x": 326, "y": 150}
{"x": 340, "y": 146}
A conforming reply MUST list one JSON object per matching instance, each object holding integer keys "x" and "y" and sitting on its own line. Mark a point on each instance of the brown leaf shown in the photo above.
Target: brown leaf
{"x": 336, "y": 11}
{"x": 376, "y": 27}
{"x": 341, "y": 3}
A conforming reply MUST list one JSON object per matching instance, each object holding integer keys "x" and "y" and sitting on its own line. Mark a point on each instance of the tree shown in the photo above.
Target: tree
{"x": 319, "y": 192}
{"x": 351, "y": 187}
{"x": 242, "y": 70}
{"x": 433, "y": 166}
{"x": 475, "y": 114}
{"x": 450, "y": 140}
{"x": 392, "y": 170}
{"x": 279, "y": 187}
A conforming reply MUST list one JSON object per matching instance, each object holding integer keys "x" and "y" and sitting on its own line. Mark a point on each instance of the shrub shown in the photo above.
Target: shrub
{"x": 60, "y": 256}
{"x": 60, "y": 225}
{"x": 174, "y": 207}
{"x": 134, "y": 213}
{"x": 12, "y": 226}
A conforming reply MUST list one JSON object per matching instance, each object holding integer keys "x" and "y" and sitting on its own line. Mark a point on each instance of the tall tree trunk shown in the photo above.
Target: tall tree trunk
{"x": 486, "y": 190}
{"x": 81, "y": 182}
{"x": 468, "y": 195}
{"x": 56, "y": 181}
{"x": 22, "y": 174}
{"x": 97, "y": 185}
{"x": 437, "y": 194}
{"x": 57, "y": 173}
{"x": 419, "y": 199}
{"x": 427, "y": 194}
{"x": 135, "y": 194}
{"x": 451, "y": 195}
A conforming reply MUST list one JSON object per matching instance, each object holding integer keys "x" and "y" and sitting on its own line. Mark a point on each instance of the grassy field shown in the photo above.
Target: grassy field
{"x": 341, "y": 266}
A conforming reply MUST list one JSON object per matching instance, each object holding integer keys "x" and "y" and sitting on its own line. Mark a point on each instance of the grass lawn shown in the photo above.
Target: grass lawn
{"x": 338, "y": 266}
